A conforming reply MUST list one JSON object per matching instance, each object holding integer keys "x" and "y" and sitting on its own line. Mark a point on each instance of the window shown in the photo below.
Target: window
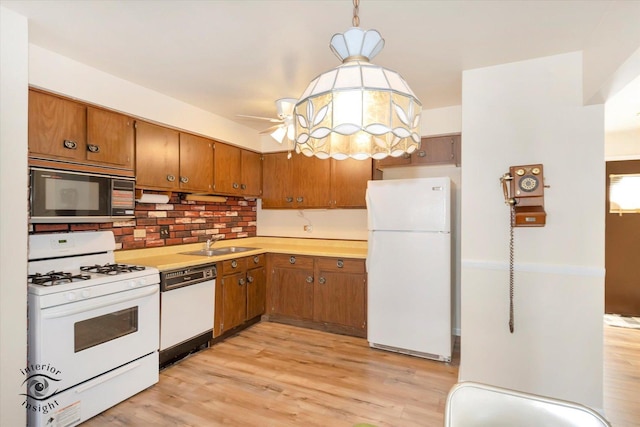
{"x": 624, "y": 193}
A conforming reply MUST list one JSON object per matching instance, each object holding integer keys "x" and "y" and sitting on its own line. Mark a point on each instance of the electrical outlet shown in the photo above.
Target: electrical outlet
{"x": 164, "y": 231}
{"x": 308, "y": 228}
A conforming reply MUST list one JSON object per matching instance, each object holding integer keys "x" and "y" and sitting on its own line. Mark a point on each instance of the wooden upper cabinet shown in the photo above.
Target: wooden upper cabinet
{"x": 276, "y": 179}
{"x": 237, "y": 171}
{"x": 310, "y": 181}
{"x": 110, "y": 138}
{"x": 434, "y": 150}
{"x": 57, "y": 127}
{"x": 196, "y": 163}
{"x": 157, "y": 157}
{"x": 439, "y": 150}
{"x": 349, "y": 179}
{"x": 64, "y": 130}
{"x": 251, "y": 173}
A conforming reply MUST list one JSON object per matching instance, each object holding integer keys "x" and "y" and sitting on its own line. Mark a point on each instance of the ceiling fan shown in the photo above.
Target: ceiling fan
{"x": 284, "y": 128}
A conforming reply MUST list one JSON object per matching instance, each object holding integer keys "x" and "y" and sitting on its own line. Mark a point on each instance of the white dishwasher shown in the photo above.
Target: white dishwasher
{"x": 187, "y": 300}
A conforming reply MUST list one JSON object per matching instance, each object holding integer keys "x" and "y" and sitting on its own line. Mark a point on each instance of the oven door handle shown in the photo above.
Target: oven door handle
{"x": 88, "y": 305}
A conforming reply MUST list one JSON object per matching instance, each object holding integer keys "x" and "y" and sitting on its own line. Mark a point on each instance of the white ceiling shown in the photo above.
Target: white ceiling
{"x": 237, "y": 57}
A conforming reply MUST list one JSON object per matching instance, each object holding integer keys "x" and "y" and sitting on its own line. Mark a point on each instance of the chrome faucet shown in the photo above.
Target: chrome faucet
{"x": 210, "y": 242}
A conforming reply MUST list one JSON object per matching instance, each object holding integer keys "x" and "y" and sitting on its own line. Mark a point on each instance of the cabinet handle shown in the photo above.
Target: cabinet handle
{"x": 299, "y": 199}
{"x": 250, "y": 279}
{"x": 235, "y": 185}
{"x": 289, "y": 199}
{"x": 422, "y": 153}
{"x": 71, "y": 145}
{"x": 241, "y": 282}
{"x": 256, "y": 259}
{"x": 93, "y": 148}
{"x": 184, "y": 179}
{"x": 171, "y": 178}
{"x": 322, "y": 280}
{"x": 243, "y": 186}
{"x": 452, "y": 149}
{"x": 309, "y": 279}
{"x": 234, "y": 263}
{"x": 406, "y": 155}
{"x": 340, "y": 263}
{"x": 292, "y": 260}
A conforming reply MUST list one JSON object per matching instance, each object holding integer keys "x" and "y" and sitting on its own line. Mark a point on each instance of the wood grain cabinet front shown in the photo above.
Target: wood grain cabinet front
{"x": 302, "y": 182}
{"x": 318, "y": 292}
{"x": 240, "y": 292}
{"x": 434, "y": 150}
{"x": 237, "y": 171}
{"x": 167, "y": 159}
{"x": 64, "y": 130}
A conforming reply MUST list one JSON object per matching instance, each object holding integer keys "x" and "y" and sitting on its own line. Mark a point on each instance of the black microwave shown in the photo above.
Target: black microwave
{"x": 72, "y": 197}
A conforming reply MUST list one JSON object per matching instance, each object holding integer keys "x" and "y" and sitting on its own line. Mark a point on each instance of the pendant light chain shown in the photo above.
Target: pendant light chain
{"x": 356, "y": 18}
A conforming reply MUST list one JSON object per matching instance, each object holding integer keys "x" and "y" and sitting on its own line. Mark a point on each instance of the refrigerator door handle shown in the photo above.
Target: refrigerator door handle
{"x": 369, "y": 251}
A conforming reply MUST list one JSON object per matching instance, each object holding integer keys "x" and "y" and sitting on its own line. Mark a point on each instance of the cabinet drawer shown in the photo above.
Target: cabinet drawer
{"x": 256, "y": 261}
{"x": 345, "y": 265}
{"x": 231, "y": 266}
{"x": 292, "y": 261}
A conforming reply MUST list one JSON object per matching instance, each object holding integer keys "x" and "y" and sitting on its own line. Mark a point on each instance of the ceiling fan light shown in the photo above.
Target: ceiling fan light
{"x": 357, "y": 110}
{"x": 279, "y": 134}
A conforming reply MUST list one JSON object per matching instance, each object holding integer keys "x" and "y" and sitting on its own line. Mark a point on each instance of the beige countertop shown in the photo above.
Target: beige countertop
{"x": 170, "y": 257}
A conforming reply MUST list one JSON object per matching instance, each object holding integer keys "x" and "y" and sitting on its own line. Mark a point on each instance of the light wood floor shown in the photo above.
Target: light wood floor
{"x": 278, "y": 375}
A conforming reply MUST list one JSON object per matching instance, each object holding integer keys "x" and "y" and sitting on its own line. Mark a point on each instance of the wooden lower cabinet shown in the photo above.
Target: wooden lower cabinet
{"x": 318, "y": 292}
{"x": 240, "y": 292}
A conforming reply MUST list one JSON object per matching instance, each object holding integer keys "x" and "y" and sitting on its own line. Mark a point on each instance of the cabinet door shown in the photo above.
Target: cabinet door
{"x": 234, "y": 300}
{"x": 277, "y": 192}
{"x": 310, "y": 179}
{"x": 109, "y": 138}
{"x": 251, "y": 173}
{"x": 57, "y": 127}
{"x": 256, "y": 291}
{"x": 437, "y": 150}
{"x": 340, "y": 292}
{"x": 291, "y": 286}
{"x": 157, "y": 157}
{"x": 349, "y": 182}
{"x": 227, "y": 169}
{"x": 196, "y": 163}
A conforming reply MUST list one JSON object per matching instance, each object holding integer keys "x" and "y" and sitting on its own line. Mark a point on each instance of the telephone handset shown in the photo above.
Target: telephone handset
{"x": 523, "y": 189}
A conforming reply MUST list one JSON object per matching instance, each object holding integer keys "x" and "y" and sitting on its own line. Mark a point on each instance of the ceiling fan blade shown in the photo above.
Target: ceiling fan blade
{"x": 271, "y": 129}
{"x": 272, "y": 120}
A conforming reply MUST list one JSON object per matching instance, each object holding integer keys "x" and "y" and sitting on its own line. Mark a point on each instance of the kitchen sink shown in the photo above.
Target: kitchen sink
{"x": 219, "y": 251}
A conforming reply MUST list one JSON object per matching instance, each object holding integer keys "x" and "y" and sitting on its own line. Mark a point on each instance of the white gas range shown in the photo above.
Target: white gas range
{"x": 93, "y": 328}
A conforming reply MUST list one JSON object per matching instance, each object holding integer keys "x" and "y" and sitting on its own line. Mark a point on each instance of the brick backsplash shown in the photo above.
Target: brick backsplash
{"x": 188, "y": 221}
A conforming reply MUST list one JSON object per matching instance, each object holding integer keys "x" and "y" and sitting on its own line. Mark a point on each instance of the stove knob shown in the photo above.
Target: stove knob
{"x": 142, "y": 282}
{"x": 132, "y": 284}
{"x": 86, "y": 293}
{"x": 71, "y": 296}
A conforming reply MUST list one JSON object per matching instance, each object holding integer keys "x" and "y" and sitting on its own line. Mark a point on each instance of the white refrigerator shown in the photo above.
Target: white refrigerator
{"x": 409, "y": 266}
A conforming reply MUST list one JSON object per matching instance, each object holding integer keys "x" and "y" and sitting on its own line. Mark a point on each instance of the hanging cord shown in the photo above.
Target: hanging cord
{"x": 356, "y": 18}
{"x": 511, "y": 257}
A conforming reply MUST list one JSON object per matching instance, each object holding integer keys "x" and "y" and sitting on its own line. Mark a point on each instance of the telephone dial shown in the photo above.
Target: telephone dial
{"x": 523, "y": 189}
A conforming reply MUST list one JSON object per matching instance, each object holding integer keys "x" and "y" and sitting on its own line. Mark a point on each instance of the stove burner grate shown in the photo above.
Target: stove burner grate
{"x": 111, "y": 268}
{"x": 55, "y": 278}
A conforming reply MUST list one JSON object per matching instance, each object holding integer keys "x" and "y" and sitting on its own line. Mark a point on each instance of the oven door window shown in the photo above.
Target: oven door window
{"x": 101, "y": 329}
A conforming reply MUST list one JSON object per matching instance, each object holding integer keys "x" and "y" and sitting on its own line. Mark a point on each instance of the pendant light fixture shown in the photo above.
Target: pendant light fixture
{"x": 357, "y": 109}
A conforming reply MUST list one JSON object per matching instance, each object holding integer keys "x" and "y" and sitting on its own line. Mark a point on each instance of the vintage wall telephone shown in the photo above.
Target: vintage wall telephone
{"x": 523, "y": 189}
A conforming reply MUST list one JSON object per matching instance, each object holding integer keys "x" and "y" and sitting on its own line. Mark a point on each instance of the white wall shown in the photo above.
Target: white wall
{"x": 522, "y": 113}
{"x": 56, "y": 73}
{"x": 13, "y": 215}
{"x": 622, "y": 145}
